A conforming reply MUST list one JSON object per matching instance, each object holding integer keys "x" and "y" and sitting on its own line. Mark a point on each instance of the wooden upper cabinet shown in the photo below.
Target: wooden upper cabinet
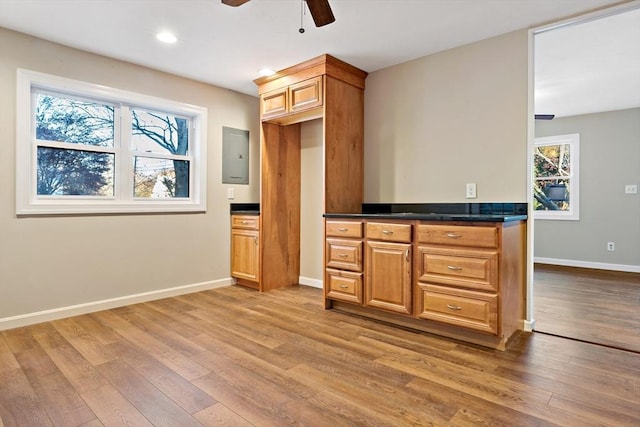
{"x": 301, "y": 92}
{"x": 288, "y": 102}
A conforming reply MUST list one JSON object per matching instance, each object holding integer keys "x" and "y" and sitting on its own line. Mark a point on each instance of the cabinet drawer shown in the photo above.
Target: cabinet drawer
{"x": 344, "y": 254}
{"x": 469, "y": 309}
{"x": 344, "y": 229}
{"x": 458, "y": 235}
{"x": 457, "y": 267}
{"x": 344, "y": 285}
{"x": 247, "y": 222}
{"x": 305, "y": 95}
{"x": 389, "y": 232}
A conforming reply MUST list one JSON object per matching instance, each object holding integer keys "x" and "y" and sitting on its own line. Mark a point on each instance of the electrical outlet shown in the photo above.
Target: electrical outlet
{"x": 231, "y": 194}
{"x": 470, "y": 192}
{"x": 631, "y": 189}
{"x": 611, "y": 246}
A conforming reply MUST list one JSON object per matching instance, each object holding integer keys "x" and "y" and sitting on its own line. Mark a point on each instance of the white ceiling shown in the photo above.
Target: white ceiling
{"x": 226, "y": 46}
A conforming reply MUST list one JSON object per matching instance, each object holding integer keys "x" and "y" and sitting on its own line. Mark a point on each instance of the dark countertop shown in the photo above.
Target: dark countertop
{"x": 481, "y": 212}
{"x": 434, "y": 216}
{"x": 244, "y": 208}
{"x": 470, "y": 212}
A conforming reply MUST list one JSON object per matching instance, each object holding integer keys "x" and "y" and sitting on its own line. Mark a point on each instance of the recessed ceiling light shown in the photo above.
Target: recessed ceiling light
{"x": 265, "y": 72}
{"x": 166, "y": 37}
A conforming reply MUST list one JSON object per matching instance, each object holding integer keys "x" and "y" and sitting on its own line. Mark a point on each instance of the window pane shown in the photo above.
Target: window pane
{"x": 65, "y": 119}
{"x": 552, "y": 160}
{"x": 551, "y": 195}
{"x": 159, "y": 132}
{"x": 160, "y": 178}
{"x": 74, "y": 172}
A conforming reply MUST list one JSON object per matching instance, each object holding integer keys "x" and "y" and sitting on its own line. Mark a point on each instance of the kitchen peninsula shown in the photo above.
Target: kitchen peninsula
{"x": 455, "y": 269}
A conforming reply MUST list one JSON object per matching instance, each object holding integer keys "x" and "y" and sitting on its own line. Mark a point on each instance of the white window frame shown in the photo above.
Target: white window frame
{"x": 29, "y": 203}
{"x": 573, "y": 214}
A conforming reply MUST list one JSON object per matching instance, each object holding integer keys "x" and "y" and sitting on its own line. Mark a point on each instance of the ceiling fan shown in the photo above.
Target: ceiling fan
{"x": 320, "y": 10}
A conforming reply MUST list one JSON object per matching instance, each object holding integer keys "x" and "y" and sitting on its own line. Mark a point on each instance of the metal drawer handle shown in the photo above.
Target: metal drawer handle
{"x": 343, "y": 255}
{"x": 454, "y": 307}
{"x": 454, "y": 235}
{"x": 344, "y": 287}
{"x": 343, "y": 229}
{"x": 244, "y": 222}
{"x": 454, "y": 268}
{"x": 387, "y": 232}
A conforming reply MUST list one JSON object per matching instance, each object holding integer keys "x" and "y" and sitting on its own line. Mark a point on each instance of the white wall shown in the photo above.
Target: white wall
{"x": 609, "y": 159}
{"x": 455, "y": 117}
{"x": 52, "y": 262}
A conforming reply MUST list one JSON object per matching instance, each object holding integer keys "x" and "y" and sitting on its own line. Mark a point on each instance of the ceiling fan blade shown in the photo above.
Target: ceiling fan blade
{"x": 234, "y": 3}
{"x": 321, "y": 12}
{"x": 544, "y": 116}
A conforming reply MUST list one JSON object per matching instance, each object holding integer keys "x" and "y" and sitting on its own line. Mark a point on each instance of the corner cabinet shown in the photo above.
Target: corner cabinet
{"x": 245, "y": 250}
{"x": 327, "y": 89}
{"x": 463, "y": 280}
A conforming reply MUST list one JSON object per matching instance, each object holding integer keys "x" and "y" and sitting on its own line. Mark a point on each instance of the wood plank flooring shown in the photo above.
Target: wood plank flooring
{"x": 235, "y": 357}
{"x": 596, "y": 306}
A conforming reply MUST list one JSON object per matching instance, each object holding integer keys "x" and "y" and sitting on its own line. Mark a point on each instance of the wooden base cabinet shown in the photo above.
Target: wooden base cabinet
{"x": 458, "y": 279}
{"x": 245, "y": 250}
{"x": 472, "y": 276}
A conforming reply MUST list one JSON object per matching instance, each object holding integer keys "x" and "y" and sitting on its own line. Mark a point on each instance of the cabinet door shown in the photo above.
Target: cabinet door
{"x": 245, "y": 255}
{"x": 274, "y": 103}
{"x": 388, "y": 276}
{"x": 305, "y": 95}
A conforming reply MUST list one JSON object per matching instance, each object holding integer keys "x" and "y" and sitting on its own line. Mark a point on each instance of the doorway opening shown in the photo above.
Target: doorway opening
{"x": 586, "y": 276}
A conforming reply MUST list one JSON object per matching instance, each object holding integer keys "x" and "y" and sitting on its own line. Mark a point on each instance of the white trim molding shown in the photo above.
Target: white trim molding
{"x": 308, "y": 281}
{"x": 588, "y": 264}
{"x": 91, "y": 307}
{"x": 529, "y": 325}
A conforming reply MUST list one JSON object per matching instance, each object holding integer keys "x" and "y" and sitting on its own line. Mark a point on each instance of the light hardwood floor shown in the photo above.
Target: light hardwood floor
{"x": 596, "y": 306}
{"x": 236, "y": 357}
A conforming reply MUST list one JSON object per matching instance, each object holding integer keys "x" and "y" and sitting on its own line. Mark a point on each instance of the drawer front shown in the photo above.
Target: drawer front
{"x": 468, "y": 309}
{"x": 389, "y": 232}
{"x": 456, "y": 267}
{"x": 458, "y": 235}
{"x": 344, "y": 229}
{"x": 344, "y": 285}
{"x": 246, "y": 222}
{"x": 344, "y": 254}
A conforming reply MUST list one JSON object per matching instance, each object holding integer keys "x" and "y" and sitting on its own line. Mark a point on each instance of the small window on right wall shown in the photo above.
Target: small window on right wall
{"x": 556, "y": 189}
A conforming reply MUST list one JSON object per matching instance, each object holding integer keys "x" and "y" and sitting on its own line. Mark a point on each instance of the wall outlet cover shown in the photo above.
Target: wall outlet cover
{"x": 631, "y": 189}
{"x": 470, "y": 192}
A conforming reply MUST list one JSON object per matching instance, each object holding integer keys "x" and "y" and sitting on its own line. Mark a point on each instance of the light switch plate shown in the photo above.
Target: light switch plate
{"x": 631, "y": 189}
{"x": 231, "y": 194}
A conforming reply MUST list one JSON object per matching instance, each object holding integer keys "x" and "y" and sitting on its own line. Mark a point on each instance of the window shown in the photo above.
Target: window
{"x": 84, "y": 148}
{"x": 555, "y": 174}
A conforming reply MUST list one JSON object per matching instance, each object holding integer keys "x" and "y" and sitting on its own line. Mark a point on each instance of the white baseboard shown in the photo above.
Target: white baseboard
{"x": 316, "y": 283}
{"x": 90, "y": 307}
{"x": 588, "y": 264}
{"x": 529, "y": 325}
